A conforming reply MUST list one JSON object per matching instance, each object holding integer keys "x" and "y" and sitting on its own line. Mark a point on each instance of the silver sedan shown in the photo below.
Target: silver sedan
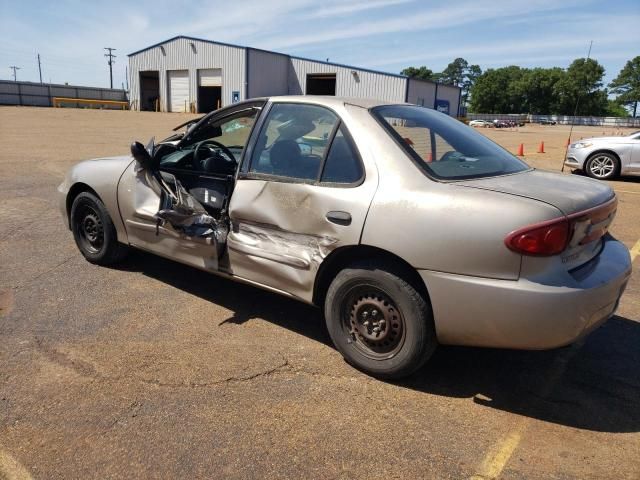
{"x": 407, "y": 228}
{"x": 605, "y": 158}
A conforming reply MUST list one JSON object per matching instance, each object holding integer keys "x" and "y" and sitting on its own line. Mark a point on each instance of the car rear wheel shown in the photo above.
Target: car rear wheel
{"x": 378, "y": 321}
{"x": 603, "y": 166}
{"x": 94, "y": 232}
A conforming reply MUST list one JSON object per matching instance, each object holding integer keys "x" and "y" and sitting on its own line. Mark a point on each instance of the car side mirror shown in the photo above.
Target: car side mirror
{"x": 141, "y": 155}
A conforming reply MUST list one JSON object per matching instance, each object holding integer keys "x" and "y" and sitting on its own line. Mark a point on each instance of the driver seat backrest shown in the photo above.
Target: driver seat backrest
{"x": 284, "y": 156}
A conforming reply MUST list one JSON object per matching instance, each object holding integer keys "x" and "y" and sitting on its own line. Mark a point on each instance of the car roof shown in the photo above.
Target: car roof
{"x": 331, "y": 101}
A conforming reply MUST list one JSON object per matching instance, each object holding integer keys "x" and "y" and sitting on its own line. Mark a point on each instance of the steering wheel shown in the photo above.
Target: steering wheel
{"x": 218, "y": 145}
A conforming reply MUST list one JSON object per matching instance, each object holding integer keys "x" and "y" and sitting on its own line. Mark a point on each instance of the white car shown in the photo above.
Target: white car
{"x": 605, "y": 158}
{"x": 481, "y": 123}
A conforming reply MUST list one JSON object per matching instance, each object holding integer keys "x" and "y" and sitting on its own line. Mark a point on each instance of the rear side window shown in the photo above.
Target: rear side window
{"x": 444, "y": 147}
{"x": 342, "y": 164}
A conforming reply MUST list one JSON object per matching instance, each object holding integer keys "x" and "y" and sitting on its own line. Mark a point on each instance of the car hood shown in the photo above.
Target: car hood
{"x": 606, "y": 140}
{"x": 568, "y": 193}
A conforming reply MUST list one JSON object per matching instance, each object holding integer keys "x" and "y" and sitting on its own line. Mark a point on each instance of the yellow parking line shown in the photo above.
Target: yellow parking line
{"x": 497, "y": 458}
{"x": 635, "y": 251}
{"x": 11, "y": 469}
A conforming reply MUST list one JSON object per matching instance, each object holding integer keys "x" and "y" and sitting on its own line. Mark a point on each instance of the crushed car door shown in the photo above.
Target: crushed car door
{"x": 301, "y": 193}
{"x": 178, "y": 207}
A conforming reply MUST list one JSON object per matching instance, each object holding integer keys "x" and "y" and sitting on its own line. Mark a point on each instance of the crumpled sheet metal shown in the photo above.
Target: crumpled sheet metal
{"x": 295, "y": 249}
{"x": 185, "y": 214}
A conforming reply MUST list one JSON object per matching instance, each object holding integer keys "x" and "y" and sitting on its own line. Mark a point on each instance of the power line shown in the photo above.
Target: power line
{"x": 111, "y": 61}
{"x": 15, "y": 69}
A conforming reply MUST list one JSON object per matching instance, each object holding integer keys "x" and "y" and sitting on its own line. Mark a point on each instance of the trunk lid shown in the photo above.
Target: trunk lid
{"x": 568, "y": 193}
{"x": 589, "y": 207}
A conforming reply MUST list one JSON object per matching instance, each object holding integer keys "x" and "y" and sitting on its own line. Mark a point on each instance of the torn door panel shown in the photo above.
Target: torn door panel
{"x": 186, "y": 233}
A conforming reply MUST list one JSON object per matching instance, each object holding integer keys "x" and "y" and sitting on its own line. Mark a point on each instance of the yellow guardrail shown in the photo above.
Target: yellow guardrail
{"x": 57, "y": 101}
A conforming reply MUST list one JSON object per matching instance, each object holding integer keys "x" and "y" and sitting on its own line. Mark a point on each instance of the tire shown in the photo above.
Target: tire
{"x": 367, "y": 291}
{"x": 94, "y": 232}
{"x": 602, "y": 166}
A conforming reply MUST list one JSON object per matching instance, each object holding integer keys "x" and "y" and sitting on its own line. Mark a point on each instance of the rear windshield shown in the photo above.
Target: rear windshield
{"x": 444, "y": 147}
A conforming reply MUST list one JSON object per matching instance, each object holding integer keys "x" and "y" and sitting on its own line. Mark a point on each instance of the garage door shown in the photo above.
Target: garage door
{"x": 210, "y": 77}
{"x": 178, "y": 90}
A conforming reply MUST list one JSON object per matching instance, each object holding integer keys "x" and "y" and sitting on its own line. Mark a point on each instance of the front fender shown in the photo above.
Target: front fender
{"x": 100, "y": 175}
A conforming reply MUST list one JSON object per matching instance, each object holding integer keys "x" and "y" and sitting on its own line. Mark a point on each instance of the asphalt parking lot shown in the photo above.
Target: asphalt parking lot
{"x": 157, "y": 370}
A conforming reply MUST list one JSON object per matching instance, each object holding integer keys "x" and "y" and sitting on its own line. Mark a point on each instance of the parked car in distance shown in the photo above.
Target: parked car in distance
{"x": 547, "y": 122}
{"x": 405, "y": 226}
{"x": 605, "y": 158}
{"x": 481, "y": 123}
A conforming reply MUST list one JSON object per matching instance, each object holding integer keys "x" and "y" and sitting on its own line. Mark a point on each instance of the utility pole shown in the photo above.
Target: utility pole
{"x": 15, "y": 69}
{"x": 39, "y": 68}
{"x": 111, "y": 61}
{"x": 126, "y": 76}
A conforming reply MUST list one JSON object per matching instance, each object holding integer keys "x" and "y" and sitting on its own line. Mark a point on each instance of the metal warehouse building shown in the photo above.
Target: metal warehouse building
{"x": 190, "y": 74}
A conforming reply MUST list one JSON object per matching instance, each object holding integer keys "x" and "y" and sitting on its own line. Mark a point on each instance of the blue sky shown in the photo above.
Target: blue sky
{"x": 384, "y": 35}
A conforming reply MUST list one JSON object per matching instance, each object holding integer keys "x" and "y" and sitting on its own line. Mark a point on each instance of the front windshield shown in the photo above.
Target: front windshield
{"x": 227, "y": 136}
{"x": 444, "y": 147}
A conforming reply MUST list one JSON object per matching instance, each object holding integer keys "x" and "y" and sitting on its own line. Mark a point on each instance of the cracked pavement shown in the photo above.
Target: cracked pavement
{"x": 157, "y": 370}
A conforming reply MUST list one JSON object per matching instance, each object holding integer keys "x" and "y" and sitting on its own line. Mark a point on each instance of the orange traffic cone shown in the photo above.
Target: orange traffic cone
{"x": 541, "y": 147}
{"x": 521, "y": 150}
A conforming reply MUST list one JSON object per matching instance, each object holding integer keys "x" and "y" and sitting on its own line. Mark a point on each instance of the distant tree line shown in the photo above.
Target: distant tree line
{"x": 543, "y": 91}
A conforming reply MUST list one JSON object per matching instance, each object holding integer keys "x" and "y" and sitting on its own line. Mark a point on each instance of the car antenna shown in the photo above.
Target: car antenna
{"x": 575, "y": 112}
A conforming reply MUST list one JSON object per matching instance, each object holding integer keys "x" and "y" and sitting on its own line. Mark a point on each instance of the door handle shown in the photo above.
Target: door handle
{"x": 339, "y": 217}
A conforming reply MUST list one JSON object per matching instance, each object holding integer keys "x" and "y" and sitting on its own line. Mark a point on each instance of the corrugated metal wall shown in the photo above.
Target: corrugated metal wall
{"x": 422, "y": 93}
{"x": 179, "y": 54}
{"x": 365, "y": 85}
{"x": 268, "y": 73}
{"x": 452, "y": 95}
{"x": 40, "y": 94}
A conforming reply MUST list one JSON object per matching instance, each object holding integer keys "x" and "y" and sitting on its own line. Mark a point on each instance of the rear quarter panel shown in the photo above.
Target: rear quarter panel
{"x": 443, "y": 226}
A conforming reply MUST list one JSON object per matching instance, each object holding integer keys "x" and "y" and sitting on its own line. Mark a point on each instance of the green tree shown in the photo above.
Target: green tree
{"x": 496, "y": 91}
{"x": 454, "y": 73}
{"x": 581, "y": 85}
{"x": 422, "y": 73}
{"x": 462, "y": 75}
{"x": 614, "y": 109}
{"x": 536, "y": 88}
{"x": 627, "y": 84}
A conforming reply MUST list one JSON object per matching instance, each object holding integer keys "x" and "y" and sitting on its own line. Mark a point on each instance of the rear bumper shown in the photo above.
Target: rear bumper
{"x": 524, "y": 314}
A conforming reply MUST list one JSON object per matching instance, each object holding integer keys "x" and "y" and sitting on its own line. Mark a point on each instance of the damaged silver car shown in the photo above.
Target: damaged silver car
{"x": 407, "y": 227}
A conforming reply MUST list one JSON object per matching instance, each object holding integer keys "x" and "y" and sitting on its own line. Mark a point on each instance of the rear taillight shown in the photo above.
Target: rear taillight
{"x": 553, "y": 237}
{"x": 547, "y": 238}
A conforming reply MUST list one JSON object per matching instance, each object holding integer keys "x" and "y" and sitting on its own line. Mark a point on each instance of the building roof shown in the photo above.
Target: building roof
{"x": 352, "y": 67}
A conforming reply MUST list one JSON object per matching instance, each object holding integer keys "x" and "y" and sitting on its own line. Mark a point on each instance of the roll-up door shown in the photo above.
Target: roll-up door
{"x": 178, "y": 90}
{"x": 210, "y": 77}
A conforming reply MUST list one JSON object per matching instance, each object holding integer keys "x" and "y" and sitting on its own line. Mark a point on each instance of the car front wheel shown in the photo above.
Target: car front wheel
{"x": 602, "y": 166}
{"x": 94, "y": 232}
{"x": 378, "y": 321}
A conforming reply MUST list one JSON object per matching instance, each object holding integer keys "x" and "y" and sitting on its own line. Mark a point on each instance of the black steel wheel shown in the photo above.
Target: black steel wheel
{"x": 379, "y": 321}
{"x": 93, "y": 230}
{"x": 374, "y": 322}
